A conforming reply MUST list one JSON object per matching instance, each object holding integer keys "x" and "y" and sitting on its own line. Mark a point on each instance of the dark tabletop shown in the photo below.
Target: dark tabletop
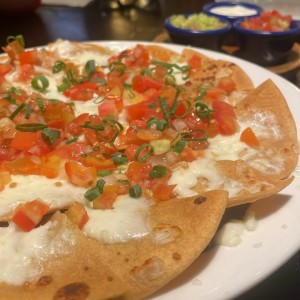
{"x": 98, "y": 21}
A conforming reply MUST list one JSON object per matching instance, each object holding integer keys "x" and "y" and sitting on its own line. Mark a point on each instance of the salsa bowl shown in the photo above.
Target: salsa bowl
{"x": 267, "y": 48}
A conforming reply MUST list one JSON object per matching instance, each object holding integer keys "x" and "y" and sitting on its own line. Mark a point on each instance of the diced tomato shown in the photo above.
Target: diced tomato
{"x": 79, "y": 174}
{"x": 5, "y": 69}
{"x": 75, "y": 126}
{"x": 25, "y": 72}
{"x": 143, "y": 111}
{"x": 107, "y": 198}
{"x": 136, "y": 57}
{"x": 195, "y": 62}
{"x": 227, "y": 84}
{"x": 77, "y": 214}
{"x": 108, "y": 108}
{"x": 163, "y": 192}
{"x": 24, "y": 140}
{"x": 50, "y": 166}
{"x": 99, "y": 161}
{"x": 248, "y": 137}
{"x": 83, "y": 92}
{"x": 215, "y": 94}
{"x": 29, "y": 57}
{"x": 58, "y": 114}
{"x": 23, "y": 166}
{"x": 141, "y": 83}
{"x": 5, "y": 178}
{"x": 130, "y": 151}
{"x": 13, "y": 49}
{"x": 28, "y": 215}
{"x": 188, "y": 154}
{"x": 225, "y": 117}
{"x": 138, "y": 171}
{"x": 71, "y": 151}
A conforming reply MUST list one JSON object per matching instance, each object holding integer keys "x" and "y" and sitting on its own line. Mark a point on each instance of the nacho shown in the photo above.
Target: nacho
{"x": 141, "y": 150}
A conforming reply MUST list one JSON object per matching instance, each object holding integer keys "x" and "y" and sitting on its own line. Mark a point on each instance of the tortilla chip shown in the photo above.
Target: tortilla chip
{"x": 278, "y": 152}
{"x": 213, "y": 70}
{"x": 78, "y": 275}
{"x": 181, "y": 230}
{"x": 161, "y": 53}
{"x": 256, "y": 185}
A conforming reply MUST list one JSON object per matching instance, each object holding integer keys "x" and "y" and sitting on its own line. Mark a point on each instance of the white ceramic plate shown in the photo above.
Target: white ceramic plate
{"x": 222, "y": 272}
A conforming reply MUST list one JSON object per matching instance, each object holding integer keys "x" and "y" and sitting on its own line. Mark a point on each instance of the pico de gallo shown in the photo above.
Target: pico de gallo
{"x": 271, "y": 20}
{"x": 149, "y": 118}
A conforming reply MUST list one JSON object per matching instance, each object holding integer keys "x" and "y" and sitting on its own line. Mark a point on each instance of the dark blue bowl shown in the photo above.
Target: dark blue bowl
{"x": 208, "y": 39}
{"x": 266, "y": 48}
{"x": 208, "y": 7}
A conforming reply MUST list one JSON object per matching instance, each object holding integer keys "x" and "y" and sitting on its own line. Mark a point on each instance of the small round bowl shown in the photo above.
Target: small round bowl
{"x": 208, "y": 39}
{"x": 232, "y": 10}
{"x": 267, "y": 48}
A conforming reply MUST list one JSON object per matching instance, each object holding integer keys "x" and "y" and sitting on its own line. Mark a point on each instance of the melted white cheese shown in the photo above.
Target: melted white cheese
{"x": 230, "y": 234}
{"x": 30, "y": 187}
{"x": 127, "y": 220}
{"x": 66, "y": 49}
{"x": 21, "y": 252}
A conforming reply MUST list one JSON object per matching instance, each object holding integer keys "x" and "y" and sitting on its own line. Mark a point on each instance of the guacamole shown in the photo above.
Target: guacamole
{"x": 200, "y": 22}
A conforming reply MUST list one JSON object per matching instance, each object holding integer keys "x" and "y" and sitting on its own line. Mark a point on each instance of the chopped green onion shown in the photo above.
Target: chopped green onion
{"x": 28, "y": 111}
{"x": 50, "y": 135}
{"x": 124, "y": 181}
{"x": 135, "y": 191}
{"x": 158, "y": 171}
{"x": 58, "y": 66}
{"x": 16, "y": 91}
{"x": 128, "y": 88}
{"x": 72, "y": 79}
{"x": 117, "y": 67}
{"x": 141, "y": 158}
{"x": 94, "y": 192}
{"x": 40, "y": 83}
{"x": 41, "y": 104}
{"x": 17, "y": 111}
{"x": 99, "y": 80}
{"x": 103, "y": 173}
{"x": 90, "y": 67}
{"x": 119, "y": 158}
{"x": 203, "y": 110}
{"x": 9, "y": 98}
{"x": 64, "y": 86}
{"x": 179, "y": 146}
{"x": 72, "y": 140}
{"x": 158, "y": 124}
{"x": 19, "y": 38}
{"x": 30, "y": 127}
{"x": 95, "y": 127}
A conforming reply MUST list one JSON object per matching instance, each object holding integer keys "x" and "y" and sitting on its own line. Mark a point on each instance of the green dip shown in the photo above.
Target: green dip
{"x": 199, "y": 22}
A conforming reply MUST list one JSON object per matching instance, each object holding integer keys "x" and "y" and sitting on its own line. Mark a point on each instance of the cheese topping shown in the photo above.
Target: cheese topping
{"x": 127, "y": 220}
{"x": 21, "y": 253}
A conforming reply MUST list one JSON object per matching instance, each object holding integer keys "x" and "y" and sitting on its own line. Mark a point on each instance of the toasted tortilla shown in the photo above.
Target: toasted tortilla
{"x": 278, "y": 137}
{"x": 180, "y": 231}
{"x": 78, "y": 275}
{"x": 212, "y": 70}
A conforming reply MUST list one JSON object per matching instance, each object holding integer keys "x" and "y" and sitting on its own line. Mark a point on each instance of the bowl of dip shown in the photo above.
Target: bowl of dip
{"x": 267, "y": 39}
{"x": 232, "y": 10}
{"x": 198, "y": 30}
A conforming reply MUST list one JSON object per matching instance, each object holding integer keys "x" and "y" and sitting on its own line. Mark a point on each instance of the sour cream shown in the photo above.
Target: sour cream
{"x": 233, "y": 11}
